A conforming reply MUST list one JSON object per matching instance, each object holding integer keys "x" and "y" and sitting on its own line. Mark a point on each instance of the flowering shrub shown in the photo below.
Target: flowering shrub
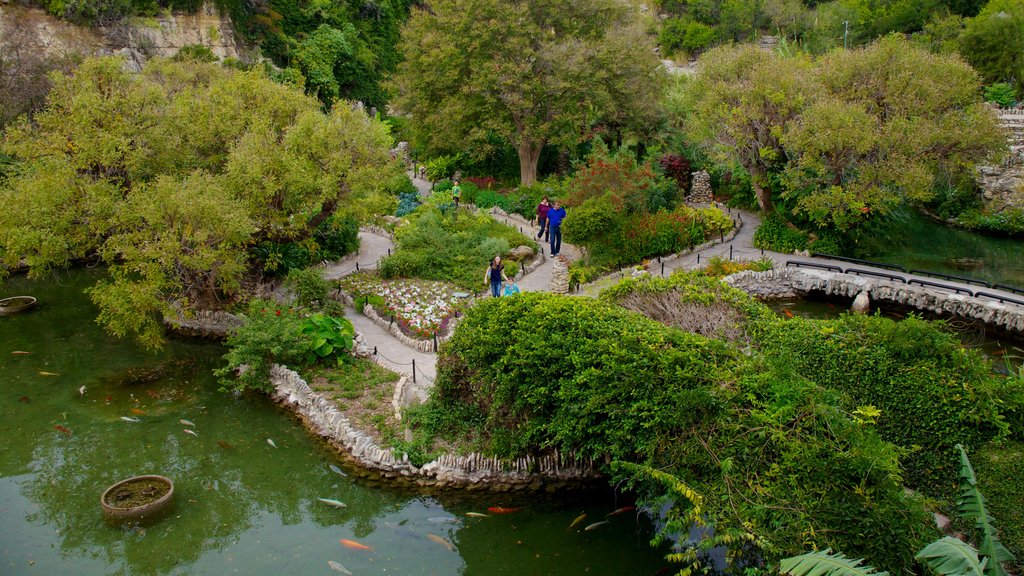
{"x": 420, "y": 307}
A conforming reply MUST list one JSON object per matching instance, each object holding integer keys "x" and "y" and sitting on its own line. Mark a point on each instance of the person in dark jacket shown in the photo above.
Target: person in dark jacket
{"x": 542, "y": 217}
{"x": 495, "y": 274}
{"x": 555, "y": 217}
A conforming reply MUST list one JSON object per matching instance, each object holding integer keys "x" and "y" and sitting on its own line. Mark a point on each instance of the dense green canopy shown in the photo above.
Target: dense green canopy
{"x": 532, "y": 72}
{"x": 171, "y": 175}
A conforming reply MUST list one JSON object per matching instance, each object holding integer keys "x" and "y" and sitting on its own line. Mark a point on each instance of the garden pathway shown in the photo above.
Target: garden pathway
{"x": 400, "y": 358}
{"x": 390, "y": 352}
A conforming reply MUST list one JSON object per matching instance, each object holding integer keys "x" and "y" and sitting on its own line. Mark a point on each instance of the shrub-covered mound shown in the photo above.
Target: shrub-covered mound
{"x": 931, "y": 391}
{"x": 775, "y": 460}
{"x": 692, "y": 302}
{"x": 799, "y": 434}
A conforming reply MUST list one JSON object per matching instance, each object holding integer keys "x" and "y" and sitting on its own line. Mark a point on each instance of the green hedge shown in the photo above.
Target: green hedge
{"x": 774, "y": 234}
{"x": 932, "y": 393}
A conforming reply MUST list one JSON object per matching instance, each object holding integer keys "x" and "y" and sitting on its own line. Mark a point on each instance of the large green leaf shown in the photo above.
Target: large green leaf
{"x": 952, "y": 557}
{"x": 825, "y": 563}
{"x": 972, "y": 506}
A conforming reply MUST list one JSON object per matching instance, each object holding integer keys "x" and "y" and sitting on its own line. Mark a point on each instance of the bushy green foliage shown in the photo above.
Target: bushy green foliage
{"x": 932, "y": 393}
{"x": 775, "y": 234}
{"x": 443, "y": 167}
{"x": 622, "y": 211}
{"x": 769, "y": 458}
{"x": 454, "y": 247}
{"x": 1009, "y": 221}
{"x": 1001, "y": 93}
{"x": 174, "y": 175}
{"x": 195, "y": 52}
{"x": 272, "y": 334}
{"x": 685, "y": 34}
{"x": 993, "y": 42}
{"x": 327, "y": 337}
{"x": 310, "y": 289}
{"x": 1000, "y": 470}
{"x": 540, "y": 388}
{"x": 332, "y": 240}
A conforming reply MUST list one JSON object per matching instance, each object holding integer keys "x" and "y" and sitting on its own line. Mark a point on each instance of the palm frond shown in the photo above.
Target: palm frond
{"x": 825, "y": 563}
{"x": 952, "y": 557}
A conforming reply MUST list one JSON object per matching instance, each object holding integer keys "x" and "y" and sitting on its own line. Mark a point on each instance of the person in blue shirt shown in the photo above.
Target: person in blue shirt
{"x": 555, "y": 217}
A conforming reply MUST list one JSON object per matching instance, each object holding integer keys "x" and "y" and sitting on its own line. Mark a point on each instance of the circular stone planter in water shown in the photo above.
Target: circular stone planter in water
{"x": 137, "y": 498}
{"x": 16, "y": 304}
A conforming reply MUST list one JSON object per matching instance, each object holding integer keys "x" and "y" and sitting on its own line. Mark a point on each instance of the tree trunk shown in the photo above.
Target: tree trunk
{"x": 529, "y": 156}
{"x": 764, "y": 195}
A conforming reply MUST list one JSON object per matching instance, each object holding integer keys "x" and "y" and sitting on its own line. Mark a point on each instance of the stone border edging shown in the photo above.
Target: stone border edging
{"x": 203, "y": 323}
{"x": 789, "y": 282}
{"x": 371, "y": 313}
{"x": 447, "y": 471}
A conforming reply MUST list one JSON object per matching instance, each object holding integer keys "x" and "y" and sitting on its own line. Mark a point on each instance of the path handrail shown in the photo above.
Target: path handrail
{"x": 999, "y": 298}
{"x": 860, "y": 272}
{"x": 939, "y": 285}
{"x": 964, "y": 279}
{"x": 859, "y": 261}
{"x": 828, "y": 267}
{"x": 1008, "y": 288}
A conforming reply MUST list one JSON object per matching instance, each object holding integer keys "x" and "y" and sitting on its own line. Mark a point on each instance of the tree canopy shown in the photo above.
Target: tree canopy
{"x": 171, "y": 176}
{"x": 844, "y": 137}
{"x": 532, "y": 72}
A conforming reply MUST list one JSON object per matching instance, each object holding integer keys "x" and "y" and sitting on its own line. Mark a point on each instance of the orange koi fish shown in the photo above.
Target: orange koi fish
{"x": 622, "y": 510}
{"x": 20, "y": 353}
{"x": 787, "y": 312}
{"x": 63, "y": 429}
{"x": 137, "y": 411}
{"x": 500, "y": 510}
{"x": 354, "y": 545}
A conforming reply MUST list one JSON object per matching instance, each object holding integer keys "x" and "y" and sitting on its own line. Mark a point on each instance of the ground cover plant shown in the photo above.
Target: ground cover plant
{"x": 361, "y": 390}
{"x": 452, "y": 246}
{"x": 421, "y": 308}
{"x": 774, "y": 448}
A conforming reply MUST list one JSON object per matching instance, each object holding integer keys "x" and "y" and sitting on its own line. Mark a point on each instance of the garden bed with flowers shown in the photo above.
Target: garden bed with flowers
{"x": 421, "y": 308}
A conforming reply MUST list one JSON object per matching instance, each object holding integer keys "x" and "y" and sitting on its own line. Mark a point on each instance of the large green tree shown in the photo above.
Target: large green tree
{"x": 532, "y": 72}
{"x": 993, "y": 42}
{"x": 845, "y": 137}
{"x": 892, "y": 124}
{"x": 171, "y": 176}
{"x": 738, "y": 107}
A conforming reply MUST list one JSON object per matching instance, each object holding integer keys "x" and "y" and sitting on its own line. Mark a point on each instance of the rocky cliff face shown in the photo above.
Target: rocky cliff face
{"x": 1003, "y": 185}
{"x": 137, "y": 38}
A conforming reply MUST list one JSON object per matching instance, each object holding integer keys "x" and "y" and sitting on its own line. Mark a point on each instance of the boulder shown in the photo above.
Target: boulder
{"x": 521, "y": 253}
{"x": 861, "y": 304}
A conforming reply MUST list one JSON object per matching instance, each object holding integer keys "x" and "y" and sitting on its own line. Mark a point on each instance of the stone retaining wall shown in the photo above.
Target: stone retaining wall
{"x": 793, "y": 283}
{"x": 203, "y": 323}
{"x": 474, "y": 471}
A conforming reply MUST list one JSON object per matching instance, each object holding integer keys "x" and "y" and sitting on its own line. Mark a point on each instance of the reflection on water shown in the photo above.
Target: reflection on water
{"x": 915, "y": 242}
{"x": 242, "y": 505}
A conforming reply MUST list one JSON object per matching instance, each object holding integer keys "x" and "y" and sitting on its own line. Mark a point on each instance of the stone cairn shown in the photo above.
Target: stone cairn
{"x": 700, "y": 190}
{"x": 560, "y": 275}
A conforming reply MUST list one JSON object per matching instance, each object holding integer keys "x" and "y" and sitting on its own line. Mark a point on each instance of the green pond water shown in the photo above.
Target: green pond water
{"x": 913, "y": 241}
{"x": 242, "y": 506}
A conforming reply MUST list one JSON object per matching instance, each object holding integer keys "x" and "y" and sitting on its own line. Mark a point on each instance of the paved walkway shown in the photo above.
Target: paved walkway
{"x": 399, "y": 357}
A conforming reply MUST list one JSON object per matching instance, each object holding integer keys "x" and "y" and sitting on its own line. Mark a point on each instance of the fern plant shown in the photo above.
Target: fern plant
{"x": 947, "y": 556}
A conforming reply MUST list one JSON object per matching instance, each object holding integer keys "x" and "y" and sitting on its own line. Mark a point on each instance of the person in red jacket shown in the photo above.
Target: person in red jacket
{"x": 542, "y": 218}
